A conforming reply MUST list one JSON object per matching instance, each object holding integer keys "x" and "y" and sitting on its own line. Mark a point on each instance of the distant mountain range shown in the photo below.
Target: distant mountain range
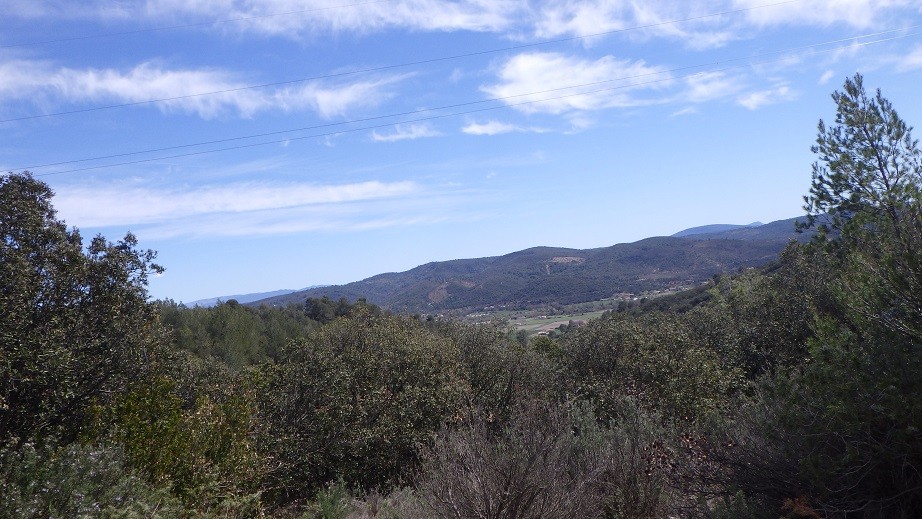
{"x": 713, "y": 228}
{"x": 247, "y": 298}
{"x": 543, "y": 275}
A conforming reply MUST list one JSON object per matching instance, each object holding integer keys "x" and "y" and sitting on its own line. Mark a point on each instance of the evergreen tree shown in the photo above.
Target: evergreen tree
{"x": 75, "y": 323}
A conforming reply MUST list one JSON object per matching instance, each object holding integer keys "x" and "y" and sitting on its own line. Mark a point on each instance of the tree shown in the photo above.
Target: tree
{"x": 356, "y": 401}
{"x": 843, "y": 430}
{"x": 869, "y": 180}
{"x": 75, "y": 323}
{"x": 869, "y": 165}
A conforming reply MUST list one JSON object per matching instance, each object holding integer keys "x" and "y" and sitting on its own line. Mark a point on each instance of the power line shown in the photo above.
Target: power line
{"x": 347, "y": 130}
{"x": 354, "y": 121}
{"x": 186, "y": 25}
{"x": 393, "y": 66}
{"x": 441, "y": 116}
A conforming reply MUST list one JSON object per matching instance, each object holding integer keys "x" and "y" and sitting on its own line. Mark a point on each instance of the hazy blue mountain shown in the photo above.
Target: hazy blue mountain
{"x": 778, "y": 230}
{"x": 246, "y": 298}
{"x": 713, "y": 228}
{"x": 542, "y": 275}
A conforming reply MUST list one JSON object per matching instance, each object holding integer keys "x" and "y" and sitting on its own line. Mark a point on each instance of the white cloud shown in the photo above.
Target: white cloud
{"x": 826, "y": 77}
{"x": 861, "y": 14}
{"x": 123, "y": 204}
{"x": 298, "y": 18}
{"x": 681, "y": 21}
{"x": 756, "y": 100}
{"x": 579, "y": 122}
{"x": 335, "y": 100}
{"x": 256, "y": 208}
{"x": 372, "y": 215}
{"x": 42, "y": 83}
{"x": 555, "y": 83}
{"x": 290, "y": 18}
{"x": 488, "y": 128}
{"x": 708, "y": 86}
{"x": 693, "y": 24}
{"x": 687, "y": 22}
{"x": 558, "y": 18}
{"x": 403, "y": 132}
{"x": 689, "y": 110}
{"x": 496, "y": 128}
{"x": 911, "y": 61}
{"x": 699, "y": 24}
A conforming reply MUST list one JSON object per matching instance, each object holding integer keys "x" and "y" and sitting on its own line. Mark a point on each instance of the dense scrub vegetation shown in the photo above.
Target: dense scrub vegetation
{"x": 791, "y": 391}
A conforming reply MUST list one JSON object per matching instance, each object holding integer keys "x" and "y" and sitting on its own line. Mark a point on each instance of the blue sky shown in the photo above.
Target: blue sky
{"x": 266, "y": 144}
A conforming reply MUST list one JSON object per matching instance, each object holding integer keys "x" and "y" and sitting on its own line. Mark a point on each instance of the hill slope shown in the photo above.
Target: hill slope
{"x": 543, "y": 275}
{"x": 713, "y": 228}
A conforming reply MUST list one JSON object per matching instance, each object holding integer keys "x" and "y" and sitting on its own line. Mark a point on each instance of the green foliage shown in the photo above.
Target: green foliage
{"x": 865, "y": 381}
{"x": 324, "y": 310}
{"x": 78, "y": 481}
{"x": 680, "y": 302}
{"x": 840, "y": 434}
{"x": 499, "y": 371}
{"x": 843, "y": 431}
{"x": 197, "y": 449}
{"x": 356, "y": 401}
{"x": 235, "y": 334}
{"x": 333, "y": 502}
{"x": 75, "y": 324}
{"x": 762, "y": 321}
{"x": 532, "y": 468}
{"x": 869, "y": 166}
{"x": 660, "y": 359}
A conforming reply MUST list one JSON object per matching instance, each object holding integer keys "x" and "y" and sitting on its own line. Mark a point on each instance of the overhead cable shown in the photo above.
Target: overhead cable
{"x": 388, "y": 67}
{"x": 439, "y": 116}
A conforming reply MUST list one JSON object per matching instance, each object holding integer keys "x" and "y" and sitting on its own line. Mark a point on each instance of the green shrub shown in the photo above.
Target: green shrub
{"x": 79, "y": 480}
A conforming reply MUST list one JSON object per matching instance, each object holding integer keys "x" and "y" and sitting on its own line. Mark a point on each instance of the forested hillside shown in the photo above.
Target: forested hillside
{"x": 544, "y": 275}
{"x": 792, "y": 391}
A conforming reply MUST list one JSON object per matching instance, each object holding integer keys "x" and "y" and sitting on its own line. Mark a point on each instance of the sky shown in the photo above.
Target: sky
{"x": 268, "y": 144}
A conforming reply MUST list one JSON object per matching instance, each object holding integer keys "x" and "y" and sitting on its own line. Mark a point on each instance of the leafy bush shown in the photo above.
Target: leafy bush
{"x": 657, "y": 359}
{"x": 356, "y": 401}
{"x": 78, "y": 481}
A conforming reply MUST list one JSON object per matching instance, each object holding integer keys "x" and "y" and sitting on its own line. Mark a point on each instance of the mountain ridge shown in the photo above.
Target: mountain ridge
{"x": 713, "y": 228}
{"x": 558, "y": 275}
{"x": 247, "y": 298}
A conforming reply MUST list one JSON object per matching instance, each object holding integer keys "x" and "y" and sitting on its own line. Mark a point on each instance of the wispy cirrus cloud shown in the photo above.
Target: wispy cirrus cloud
{"x": 404, "y": 132}
{"x": 699, "y": 24}
{"x": 126, "y": 204}
{"x": 758, "y": 99}
{"x": 910, "y": 61}
{"x": 493, "y": 127}
{"x": 688, "y": 110}
{"x": 43, "y": 83}
{"x": 710, "y": 86}
{"x": 861, "y": 14}
{"x": 86, "y": 9}
{"x": 687, "y": 22}
{"x": 559, "y": 18}
{"x": 249, "y": 208}
{"x": 294, "y": 18}
{"x": 556, "y": 83}
{"x": 370, "y": 215}
{"x": 708, "y": 23}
